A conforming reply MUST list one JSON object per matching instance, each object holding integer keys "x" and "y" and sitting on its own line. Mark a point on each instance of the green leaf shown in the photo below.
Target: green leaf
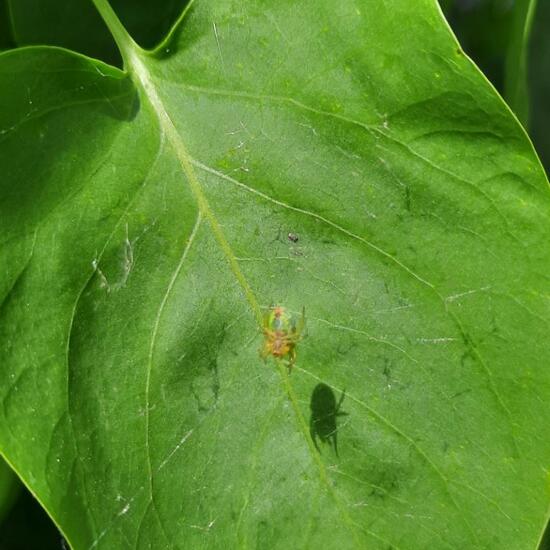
{"x": 150, "y": 218}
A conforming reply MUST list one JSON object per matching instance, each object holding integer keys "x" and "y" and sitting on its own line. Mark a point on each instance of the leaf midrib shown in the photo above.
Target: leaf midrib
{"x": 140, "y": 75}
{"x": 168, "y": 129}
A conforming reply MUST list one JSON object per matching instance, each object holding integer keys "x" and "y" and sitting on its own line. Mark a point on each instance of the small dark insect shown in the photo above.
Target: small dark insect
{"x": 293, "y": 237}
{"x": 324, "y": 412}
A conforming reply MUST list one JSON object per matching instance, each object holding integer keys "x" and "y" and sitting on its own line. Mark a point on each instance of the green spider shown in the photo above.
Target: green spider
{"x": 282, "y": 332}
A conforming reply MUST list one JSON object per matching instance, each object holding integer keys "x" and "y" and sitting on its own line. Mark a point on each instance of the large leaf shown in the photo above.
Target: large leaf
{"x": 145, "y": 223}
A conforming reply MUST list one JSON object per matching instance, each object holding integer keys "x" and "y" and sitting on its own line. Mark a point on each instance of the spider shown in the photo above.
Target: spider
{"x": 282, "y": 332}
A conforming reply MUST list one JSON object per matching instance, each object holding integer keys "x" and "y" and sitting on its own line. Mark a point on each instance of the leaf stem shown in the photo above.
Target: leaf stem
{"x": 133, "y": 60}
{"x": 122, "y": 38}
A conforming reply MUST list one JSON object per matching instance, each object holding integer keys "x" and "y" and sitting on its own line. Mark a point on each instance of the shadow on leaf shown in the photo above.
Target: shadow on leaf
{"x": 324, "y": 413}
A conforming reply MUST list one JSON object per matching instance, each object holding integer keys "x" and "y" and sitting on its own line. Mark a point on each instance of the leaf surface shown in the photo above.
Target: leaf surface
{"x": 145, "y": 222}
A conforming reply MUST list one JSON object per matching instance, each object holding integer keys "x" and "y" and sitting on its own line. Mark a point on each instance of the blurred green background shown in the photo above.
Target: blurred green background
{"x": 494, "y": 33}
{"x": 488, "y": 31}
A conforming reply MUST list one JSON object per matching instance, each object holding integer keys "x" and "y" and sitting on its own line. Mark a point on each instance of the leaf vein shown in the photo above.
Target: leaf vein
{"x": 154, "y": 334}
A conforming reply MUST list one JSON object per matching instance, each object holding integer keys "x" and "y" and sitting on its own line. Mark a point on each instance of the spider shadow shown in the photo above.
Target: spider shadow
{"x": 325, "y": 410}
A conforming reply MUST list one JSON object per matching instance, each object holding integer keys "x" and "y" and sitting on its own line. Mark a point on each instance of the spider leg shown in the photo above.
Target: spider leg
{"x": 335, "y": 442}
{"x": 293, "y": 337}
{"x": 291, "y": 358}
{"x": 340, "y": 401}
{"x": 301, "y": 322}
{"x": 265, "y": 351}
{"x": 313, "y": 434}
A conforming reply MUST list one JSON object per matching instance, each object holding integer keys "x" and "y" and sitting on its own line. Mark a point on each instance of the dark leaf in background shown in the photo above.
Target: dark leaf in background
{"x": 6, "y": 40}
{"x": 28, "y": 527}
{"x": 9, "y": 489}
{"x": 486, "y": 29}
{"x": 539, "y": 82}
{"x": 73, "y": 24}
{"x": 483, "y": 28}
{"x": 76, "y": 25}
{"x": 516, "y": 91}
